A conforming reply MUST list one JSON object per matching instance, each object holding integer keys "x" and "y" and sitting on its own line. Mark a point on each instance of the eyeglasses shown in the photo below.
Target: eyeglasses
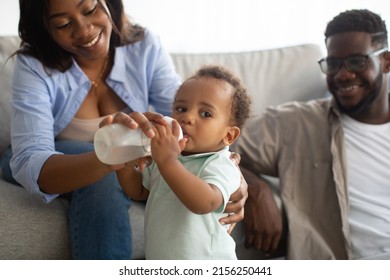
{"x": 353, "y": 63}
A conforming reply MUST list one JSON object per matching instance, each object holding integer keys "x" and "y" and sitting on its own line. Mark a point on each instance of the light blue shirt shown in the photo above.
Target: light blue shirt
{"x": 172, "y": 231}
{"x": 44, "y": 101}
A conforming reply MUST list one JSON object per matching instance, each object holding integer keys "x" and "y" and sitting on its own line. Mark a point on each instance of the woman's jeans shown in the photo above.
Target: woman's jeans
{"x": 99, "y": 226}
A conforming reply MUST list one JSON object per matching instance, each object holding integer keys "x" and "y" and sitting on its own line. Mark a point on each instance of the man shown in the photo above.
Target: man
{"x": 332, "y": 155}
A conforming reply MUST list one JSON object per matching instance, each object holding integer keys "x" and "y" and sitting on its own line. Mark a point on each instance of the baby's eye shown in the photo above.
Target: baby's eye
{"x": 181, "y": 109}
{"x": 206, "y": 114}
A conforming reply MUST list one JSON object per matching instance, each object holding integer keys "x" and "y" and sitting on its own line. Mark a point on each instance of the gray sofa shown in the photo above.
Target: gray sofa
{"x": 31, "y": 229}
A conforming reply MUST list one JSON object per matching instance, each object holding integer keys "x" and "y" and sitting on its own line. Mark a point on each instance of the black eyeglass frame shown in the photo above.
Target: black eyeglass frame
{"x": 345, "y": 61}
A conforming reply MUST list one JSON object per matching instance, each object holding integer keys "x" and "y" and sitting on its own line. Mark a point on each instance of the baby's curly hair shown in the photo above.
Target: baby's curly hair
{"x": 241, "y": 101}
{"x": 359, "y": 21}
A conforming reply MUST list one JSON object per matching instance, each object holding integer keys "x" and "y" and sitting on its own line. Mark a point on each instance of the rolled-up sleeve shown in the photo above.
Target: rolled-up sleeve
{"x": 32, "y": 136}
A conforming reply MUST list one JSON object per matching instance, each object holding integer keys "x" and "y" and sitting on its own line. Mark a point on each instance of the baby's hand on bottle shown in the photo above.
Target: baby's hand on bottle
{"x": 165, "y": 144}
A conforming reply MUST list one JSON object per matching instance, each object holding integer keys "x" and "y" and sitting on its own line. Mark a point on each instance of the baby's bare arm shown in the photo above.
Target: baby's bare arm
{"x": 197, "y": 195}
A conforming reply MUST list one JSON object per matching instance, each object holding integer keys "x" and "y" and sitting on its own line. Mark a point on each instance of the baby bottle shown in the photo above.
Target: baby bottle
{"x": 117, "y": 144}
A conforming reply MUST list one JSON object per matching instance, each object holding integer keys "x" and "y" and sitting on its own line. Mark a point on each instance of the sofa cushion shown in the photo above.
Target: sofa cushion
{"x": 30, "y": 229}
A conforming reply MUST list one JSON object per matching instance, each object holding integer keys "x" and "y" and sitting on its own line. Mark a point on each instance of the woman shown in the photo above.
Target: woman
{"x": 80, "y": 61}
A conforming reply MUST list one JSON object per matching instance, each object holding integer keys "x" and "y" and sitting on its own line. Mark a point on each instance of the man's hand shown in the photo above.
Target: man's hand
{"x": 263, "y": 219}
{"x": 235, "y": 207}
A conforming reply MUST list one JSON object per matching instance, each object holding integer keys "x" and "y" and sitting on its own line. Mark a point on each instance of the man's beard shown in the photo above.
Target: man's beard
{"x": 365, "y": 102}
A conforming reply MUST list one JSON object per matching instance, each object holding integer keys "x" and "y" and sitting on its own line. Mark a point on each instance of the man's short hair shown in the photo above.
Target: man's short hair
{"x": 359, "y": 21}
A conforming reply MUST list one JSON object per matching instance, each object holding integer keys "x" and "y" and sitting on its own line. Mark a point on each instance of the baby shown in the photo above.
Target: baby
{"x": 190, "y": 181}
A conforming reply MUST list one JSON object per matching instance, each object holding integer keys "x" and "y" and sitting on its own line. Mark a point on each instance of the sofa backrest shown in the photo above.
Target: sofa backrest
{"x": 8, "y": 45}
{"x": 272, "y": 76}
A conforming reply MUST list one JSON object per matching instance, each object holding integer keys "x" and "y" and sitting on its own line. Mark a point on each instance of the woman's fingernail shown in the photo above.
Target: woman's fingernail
{"x": 150, "y": 132}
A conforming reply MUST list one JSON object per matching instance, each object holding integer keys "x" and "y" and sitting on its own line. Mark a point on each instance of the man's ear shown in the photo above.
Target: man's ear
{"x": 386, "y": 64}
{"x": 231, "y": 135}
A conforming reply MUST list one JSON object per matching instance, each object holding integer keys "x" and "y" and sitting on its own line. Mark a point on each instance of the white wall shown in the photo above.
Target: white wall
{"x": 227, "y": 25}
{"x": 9, "y": 16}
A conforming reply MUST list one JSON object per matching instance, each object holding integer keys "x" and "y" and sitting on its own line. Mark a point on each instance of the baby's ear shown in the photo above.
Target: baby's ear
{"x": 232, "y": 134}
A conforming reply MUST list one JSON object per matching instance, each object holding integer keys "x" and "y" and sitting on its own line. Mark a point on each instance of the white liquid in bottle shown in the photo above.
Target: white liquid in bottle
{"x": 117, "y": 144}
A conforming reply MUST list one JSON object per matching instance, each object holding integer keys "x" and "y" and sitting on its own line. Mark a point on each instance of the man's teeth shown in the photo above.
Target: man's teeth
{"x": 348, "y": 88}
{"x": 93, "y": 42}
